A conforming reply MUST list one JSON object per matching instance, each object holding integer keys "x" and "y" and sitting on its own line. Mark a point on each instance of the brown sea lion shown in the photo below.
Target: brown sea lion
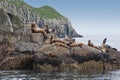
{"x": 103, "y": 46}
{"x": 61, "y": 44}
{"x": 68, "y": 40}
{"x": 57, "y": 42}
{"x": 74, "y": 44}
{"x": 52, "y": 40}
{"x": 49, "y": 30}
{"x": 90, "y": 43}
{"x": 36, "y": 29}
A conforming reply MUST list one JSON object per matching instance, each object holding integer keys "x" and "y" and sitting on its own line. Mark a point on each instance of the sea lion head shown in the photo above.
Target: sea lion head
{"x": 33, "y": 25}
{"x": 46, "y": 26}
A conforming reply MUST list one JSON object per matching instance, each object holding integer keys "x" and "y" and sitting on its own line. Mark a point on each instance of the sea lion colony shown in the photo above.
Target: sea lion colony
{"x": 102, "y": 47}
{"x": 67, "y": 42}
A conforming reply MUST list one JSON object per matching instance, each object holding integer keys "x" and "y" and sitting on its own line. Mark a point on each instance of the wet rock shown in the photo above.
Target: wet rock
{"x": 20, "y": 62}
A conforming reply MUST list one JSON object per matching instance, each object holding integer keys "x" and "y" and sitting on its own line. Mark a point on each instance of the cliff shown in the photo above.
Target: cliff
{"x": 42, "y": 16}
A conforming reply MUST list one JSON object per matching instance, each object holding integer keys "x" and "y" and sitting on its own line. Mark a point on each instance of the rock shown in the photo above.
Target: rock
{"x": 19, "y": 62}
{"x": 62, "y": 27}
{"x": 86, "y": 53}
{"x": 56, "y": 57}
{"x": 114, "y": 55}
{"x": 26, "y": 47}
{"x": 53, "y": 55}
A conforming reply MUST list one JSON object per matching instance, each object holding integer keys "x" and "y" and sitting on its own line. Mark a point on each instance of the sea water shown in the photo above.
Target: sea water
{"x": 113, "y": 41}
{"x": 57, "y": 75}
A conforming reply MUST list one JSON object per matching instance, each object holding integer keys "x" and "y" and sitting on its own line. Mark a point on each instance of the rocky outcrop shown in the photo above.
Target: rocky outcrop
{"x": 18, "y": 35}
{"x": 20, "y": 62}
{"x": 28, "y": 14}
{"x": 85, "y": 58}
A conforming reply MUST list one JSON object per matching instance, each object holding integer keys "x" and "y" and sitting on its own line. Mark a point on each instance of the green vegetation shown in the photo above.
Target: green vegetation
{"x": 48, "y": 12}
{"x": 44, "y": 12}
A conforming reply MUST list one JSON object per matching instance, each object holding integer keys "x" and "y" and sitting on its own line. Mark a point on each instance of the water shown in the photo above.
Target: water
{"x": 32, "y": 75}
{"x": 113, "y": 41}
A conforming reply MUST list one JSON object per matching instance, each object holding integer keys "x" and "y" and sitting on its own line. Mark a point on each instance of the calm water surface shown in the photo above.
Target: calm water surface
{"x": 32, "y": 75}
{"x": 71, "y": 75}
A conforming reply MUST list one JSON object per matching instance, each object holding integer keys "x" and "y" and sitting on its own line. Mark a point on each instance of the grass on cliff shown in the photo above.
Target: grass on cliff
{"x": 46, "y": 12}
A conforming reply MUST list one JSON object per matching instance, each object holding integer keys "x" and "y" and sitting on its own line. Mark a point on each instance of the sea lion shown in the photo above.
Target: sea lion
{"x": 52, "y": 40}
{"x": 68, "y": 40}
{"x": 74, "y": 44}
{"x": 90, "y": 43}
{"x": 48, "y": 30}
{"x": 61, "y": 44}
{"x": 57, "y": 42}
{"x": 104, "y": 41}
{"x": 35, "y": 29}
{"x": 103, "y": 46}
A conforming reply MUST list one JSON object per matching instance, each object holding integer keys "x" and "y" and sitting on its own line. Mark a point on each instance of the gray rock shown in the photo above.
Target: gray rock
{"x": 23, "y": 47}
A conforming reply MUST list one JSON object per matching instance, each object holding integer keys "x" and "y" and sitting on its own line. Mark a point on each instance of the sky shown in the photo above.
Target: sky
{"x": 88, "y": 17}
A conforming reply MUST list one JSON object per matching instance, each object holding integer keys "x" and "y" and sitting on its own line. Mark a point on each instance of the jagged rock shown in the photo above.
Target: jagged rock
{"x": 62, "y": 27}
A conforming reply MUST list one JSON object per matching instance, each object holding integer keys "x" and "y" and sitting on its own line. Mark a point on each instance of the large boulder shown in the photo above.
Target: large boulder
{"x": 61, "y": 57}
{"x": 114, "y": 55}
{"x": 86, "y": 53}
{"x": 26, "y": 47}
{"x": 53, "y": 55}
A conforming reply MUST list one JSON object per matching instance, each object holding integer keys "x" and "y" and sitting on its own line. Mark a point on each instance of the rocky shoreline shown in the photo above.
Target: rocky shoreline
{"x": 33, "y": 52}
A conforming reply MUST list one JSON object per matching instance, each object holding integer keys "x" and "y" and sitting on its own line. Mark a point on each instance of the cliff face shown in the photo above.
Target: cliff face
{"x": 17, "y": 35}
{"x": 42, "y": 16}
